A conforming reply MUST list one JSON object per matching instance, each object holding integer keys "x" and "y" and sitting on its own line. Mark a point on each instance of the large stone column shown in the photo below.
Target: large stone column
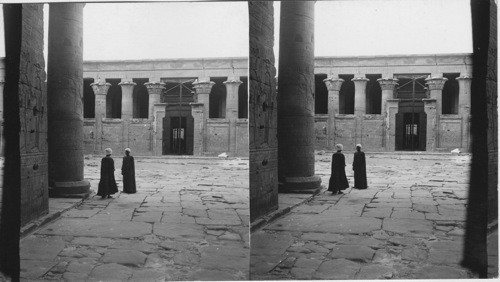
{"x": 65, "y": 101}
{"x": 200, "y": 111}
{"x": 430, "y": 107}
{"x": 100, "y": 92}
{"x": 1, "y": 117}
{"x": 436, "y": 85}
{"x": 127, "y": 109}
{"x": 392, "y": 107}
{"x": 388, "y": 85}
{"x": 359, "y": 105}
{"x": 154, "y": 90}
{"x": 232, "y": 85}
{"x": 296, "y": 98}
{"x": 333, "y": 85}
{"x": 464, "y": 102}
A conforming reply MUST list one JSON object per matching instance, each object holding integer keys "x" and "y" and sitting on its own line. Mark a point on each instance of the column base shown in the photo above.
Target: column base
{"x": 300, "y": 185}
{"x": 70, "y": 189}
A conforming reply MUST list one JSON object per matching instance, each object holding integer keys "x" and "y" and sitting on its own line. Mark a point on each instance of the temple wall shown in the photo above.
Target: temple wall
{"x": 217, "y": 136}
{"x": 263, "y": 143}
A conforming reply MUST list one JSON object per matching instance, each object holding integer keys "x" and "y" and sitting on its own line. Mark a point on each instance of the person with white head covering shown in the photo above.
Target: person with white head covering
{"x": 359, "y": 167}
{"x": 107, "y": 183}
{"x": 338, "y": 178}
{"x": 128, "y": 172}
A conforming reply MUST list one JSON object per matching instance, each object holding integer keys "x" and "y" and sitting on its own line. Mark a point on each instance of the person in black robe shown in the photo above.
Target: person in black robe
{"x": 107, "y": 183}
{"x": 128, "y": 172}
{"x": 359, "y": 167}
{"x": 338, "y": 179}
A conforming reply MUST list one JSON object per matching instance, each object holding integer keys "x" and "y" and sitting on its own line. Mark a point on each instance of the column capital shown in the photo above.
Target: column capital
{"x": 100, "y": 88}
{"x": 233, "y": 80}
{"x": 464, "y": 78}
{"x": 126, "y": 83}
{"x": 388, "y": 83}
{"x": 333, "y": 84}
{"x": 203, "y": 86}
{"x": 436, "y": 83}
{"x": 154, "y": 87}
{"x": 360, "y": 78}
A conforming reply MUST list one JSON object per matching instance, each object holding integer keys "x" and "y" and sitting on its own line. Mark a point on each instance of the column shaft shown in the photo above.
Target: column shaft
{"x": 1, "y": 118}
{"x": 296, "y": 136}
{"x": 333, "y": 85}
{"x": 200, "y": 111}
{"x": 100, "y": 92}
{"x": 65, "y": 100}
{"x": 127, "y": 109}
{"x": 388, "y": 85}
{"x": 464, "y": 102}
{"x": 430, "y": 107}
{"x": 435, "y": 85}
{"x": 154, "y": 90}
{"x": 359, "y": 106}
{"x": 232, "y": 86}
{"x": 392, "y": 107}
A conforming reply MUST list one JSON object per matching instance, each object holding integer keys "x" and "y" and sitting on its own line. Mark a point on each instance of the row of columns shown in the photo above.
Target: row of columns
{"x": 433, "y": 107}
{"x": 200, "y": 108}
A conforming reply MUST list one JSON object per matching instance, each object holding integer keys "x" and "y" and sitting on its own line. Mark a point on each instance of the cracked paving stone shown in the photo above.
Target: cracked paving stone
{"x": 38, "y": 248}
{"x": 325, "y": 224}
{"x": 70, "y": 276}
{"x": 81, "y": 266}
{"x": 439, "y": 272}
{"x": 35, "y": 269}
{"x": 352, "y": 252}
{"x": 102, "y": 242}
{"x": 374, "y": 271}
{"x": 308, "y": 263}
{"x": 408, "y": 226}
{"x": 414, "y": 254}
{"x": 186, "y": 259}
{"x": 338, "y": 269}
{"x": 125, "y": 257}
{"x": 216, "y": 275}
{"x": 97, "y": 228}
{"x": 362, "y": 241}
{"x": 323, "y": 237}
{"x": 150, "y": 275}
{"x": 183, "y": 232}
{"x": 302, "y": 273}
{"x": 110, "y": 271}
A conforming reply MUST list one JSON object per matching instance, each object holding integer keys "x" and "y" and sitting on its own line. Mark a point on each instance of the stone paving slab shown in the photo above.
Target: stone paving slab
{"x": 408, "y": 224}
{"x": 153, "y": 235}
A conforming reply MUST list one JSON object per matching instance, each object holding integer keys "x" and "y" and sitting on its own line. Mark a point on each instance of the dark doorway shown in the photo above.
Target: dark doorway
{"x": 140, "y": 98}
{"x": 178, "y": 135}
{"x": 411, "y": 119}
{"x": 320, "y": 94}
{"x": 88, "y": 98}
{"x": 114, "y": 99}
{"x": 243, "y": 98}
{"x": 346, "y": 95}
{"x": 178, "y": 123}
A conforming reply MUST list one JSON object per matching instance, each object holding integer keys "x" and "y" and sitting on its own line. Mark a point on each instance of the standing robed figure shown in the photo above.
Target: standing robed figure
{"x": 128, "y": 172}
{"x": 338, "y": 179}
{"x": 359, "y": 167}
{"x": 107, "y": 183}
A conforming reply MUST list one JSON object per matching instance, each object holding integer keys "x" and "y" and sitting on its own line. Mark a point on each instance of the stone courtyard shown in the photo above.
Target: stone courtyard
{"x": 408, "y": 224}
{"x": 188, "y": 221}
